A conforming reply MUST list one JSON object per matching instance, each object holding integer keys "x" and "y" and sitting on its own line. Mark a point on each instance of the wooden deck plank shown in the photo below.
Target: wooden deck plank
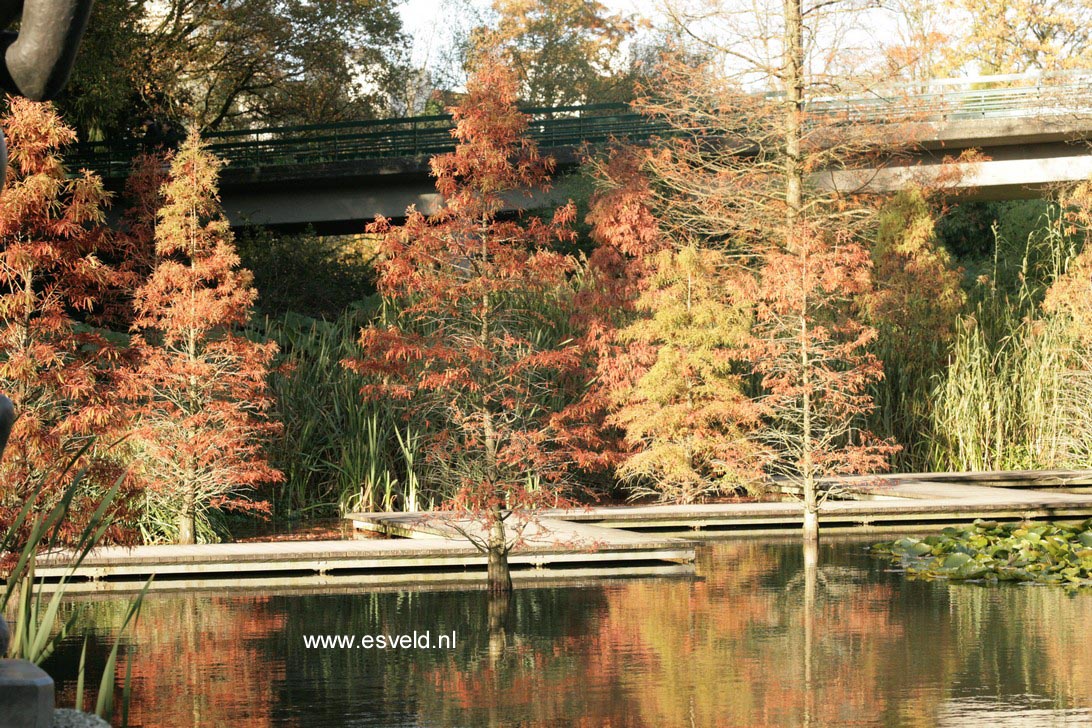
{"x": 367, "y": 583}
{"x": 538, "y": 532}
{"x": 1010, "y": 478}
{"x": 934, "y": 490}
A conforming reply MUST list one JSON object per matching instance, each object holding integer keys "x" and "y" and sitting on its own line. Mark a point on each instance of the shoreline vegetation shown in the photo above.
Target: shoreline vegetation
{"x": 1000, "y": 388}
{"x": 597, "y": 352}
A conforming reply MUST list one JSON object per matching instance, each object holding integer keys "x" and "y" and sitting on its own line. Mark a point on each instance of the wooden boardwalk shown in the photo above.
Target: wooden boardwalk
{"x": 915, "y": 501}
{"x": 549, "y": 555}
{"x": 882, "y": 503}
{"x": 572, "y": 545}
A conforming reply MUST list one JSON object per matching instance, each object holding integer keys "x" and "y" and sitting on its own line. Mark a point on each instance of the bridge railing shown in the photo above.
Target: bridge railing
{"x": 410, "y": 137}
{"x": 572, "y": 126}
{"x": 978, "y": 97}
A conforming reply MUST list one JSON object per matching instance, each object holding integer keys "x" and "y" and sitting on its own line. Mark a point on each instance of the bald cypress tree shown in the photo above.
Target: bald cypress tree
{"x": 201, "y": 386}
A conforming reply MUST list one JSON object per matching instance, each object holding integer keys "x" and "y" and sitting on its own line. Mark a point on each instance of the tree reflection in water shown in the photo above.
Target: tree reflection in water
{"x": 759, "y": 639}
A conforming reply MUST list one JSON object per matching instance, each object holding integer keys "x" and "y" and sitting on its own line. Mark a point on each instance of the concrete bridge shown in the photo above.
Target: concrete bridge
{"x": 1035, "y": 129}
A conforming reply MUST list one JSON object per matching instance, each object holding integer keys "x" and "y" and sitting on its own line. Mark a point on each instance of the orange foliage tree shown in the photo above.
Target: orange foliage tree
{"x": 134, "y": 236}
{"x": 58, "y": 370}
{"x": 626, "y": 235}
{"x": 470, "y": 346}
{"x": 748, "y": 174}
{"x": 686, "y": 412}
{"x": 811, "y": 349}
{"x": 200, "y": 386}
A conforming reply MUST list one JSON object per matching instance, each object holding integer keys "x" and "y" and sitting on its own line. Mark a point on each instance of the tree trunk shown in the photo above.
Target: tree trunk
{"x": 811, "y": 518}
{"x": 498, "y": 624}
{"x": 793, "y": 79}
{"x": 811, "y": 585}
{"x": 187, "y": 520}
{"x": 498, "y": 575}
{"x": 7, "y": 419}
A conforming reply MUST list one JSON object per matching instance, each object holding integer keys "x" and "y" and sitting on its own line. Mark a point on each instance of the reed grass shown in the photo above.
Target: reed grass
{"x": 1015, "y": 391}
{"x": 339, "y": 450}
{"x": 1010, "y": 390}
{"x": 1018, "y": 402}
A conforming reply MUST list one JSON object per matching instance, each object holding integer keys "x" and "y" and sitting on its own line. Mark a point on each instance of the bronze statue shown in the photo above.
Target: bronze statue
{"x": 37, "y": 61}
{"x": 38, "y": 58}
{"x": 7, "y": 419}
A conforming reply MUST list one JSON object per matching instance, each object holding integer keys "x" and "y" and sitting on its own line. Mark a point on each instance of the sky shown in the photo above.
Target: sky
{"x": 429, "y": 22}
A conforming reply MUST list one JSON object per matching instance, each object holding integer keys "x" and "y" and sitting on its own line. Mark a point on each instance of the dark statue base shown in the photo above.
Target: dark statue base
{"x": 26, "y": 695}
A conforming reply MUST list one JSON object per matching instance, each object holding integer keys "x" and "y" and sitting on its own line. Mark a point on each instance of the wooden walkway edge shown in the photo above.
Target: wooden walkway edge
{"x": 572, "y": 552}
{"x": 432, "y": 550}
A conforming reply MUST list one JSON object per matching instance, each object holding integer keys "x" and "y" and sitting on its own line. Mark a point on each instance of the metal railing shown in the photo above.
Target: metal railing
{"x": 410, "y": 137}
{"x": 571, "y": 126}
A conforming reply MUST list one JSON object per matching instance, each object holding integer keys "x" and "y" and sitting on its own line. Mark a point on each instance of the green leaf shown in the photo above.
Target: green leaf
{"x": 954, "y": 561}
{"x": 920, "y": 549}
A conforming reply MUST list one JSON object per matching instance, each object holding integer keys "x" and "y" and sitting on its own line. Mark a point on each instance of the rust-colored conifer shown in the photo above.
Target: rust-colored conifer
{"x": 201, "y": 385}
{"x": 469, "y": 348}
{"x": 59, "y": 373}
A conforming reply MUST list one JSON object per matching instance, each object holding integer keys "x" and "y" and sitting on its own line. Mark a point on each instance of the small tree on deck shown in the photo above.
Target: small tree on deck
{"x": 810, "y": 349}
{"x": 469, "y": 346}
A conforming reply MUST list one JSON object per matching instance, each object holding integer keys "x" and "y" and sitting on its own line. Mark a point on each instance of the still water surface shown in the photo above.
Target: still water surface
{"x": 735, "y": 647}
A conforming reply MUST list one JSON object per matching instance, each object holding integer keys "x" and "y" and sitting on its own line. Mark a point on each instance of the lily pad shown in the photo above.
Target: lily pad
{"x": 956, "y": 560}
{"x": 1047, "y": 553}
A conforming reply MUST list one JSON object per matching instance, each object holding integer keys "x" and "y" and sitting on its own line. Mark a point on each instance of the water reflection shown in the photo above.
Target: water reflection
{"x": 761, "y": 639}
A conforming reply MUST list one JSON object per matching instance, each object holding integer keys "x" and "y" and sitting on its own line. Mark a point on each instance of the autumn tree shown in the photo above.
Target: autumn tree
{"x": 563, "y": 51}
{"x": 917, "y": 296}
{"x": 667, "y": 322}
{"x": 930, "y": 40}
{"x": 743, "y": 173}
{"x": 920, "y": 45}
{"x": 132, "y": 251}
{"x": 469, "y": 345}
{"x": 686, "y": 414}
{"x": 54, "y": 364}
{"x": 811, "y": 350}
{"x": 200, "y": 389}
{"x": 1021, "y": 35}
{"x": 627, "y": 236}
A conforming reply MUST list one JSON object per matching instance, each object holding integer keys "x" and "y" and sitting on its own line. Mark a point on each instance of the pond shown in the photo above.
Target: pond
{"x": 735, "y": 647}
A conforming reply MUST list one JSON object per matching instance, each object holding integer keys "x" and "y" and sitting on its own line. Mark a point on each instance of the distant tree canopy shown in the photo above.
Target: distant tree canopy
{"x": 240, "y": 62}
{"x": 563, "y": 51}
{"x": 1022, "y": 35}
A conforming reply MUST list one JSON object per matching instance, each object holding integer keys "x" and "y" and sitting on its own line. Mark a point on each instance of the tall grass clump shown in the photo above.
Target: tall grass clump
{"x": 39, "y": 625}
{"x": 1014, "y": 394}
{"x": 338, "y": 450}
{"x": 914, "y": 307}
